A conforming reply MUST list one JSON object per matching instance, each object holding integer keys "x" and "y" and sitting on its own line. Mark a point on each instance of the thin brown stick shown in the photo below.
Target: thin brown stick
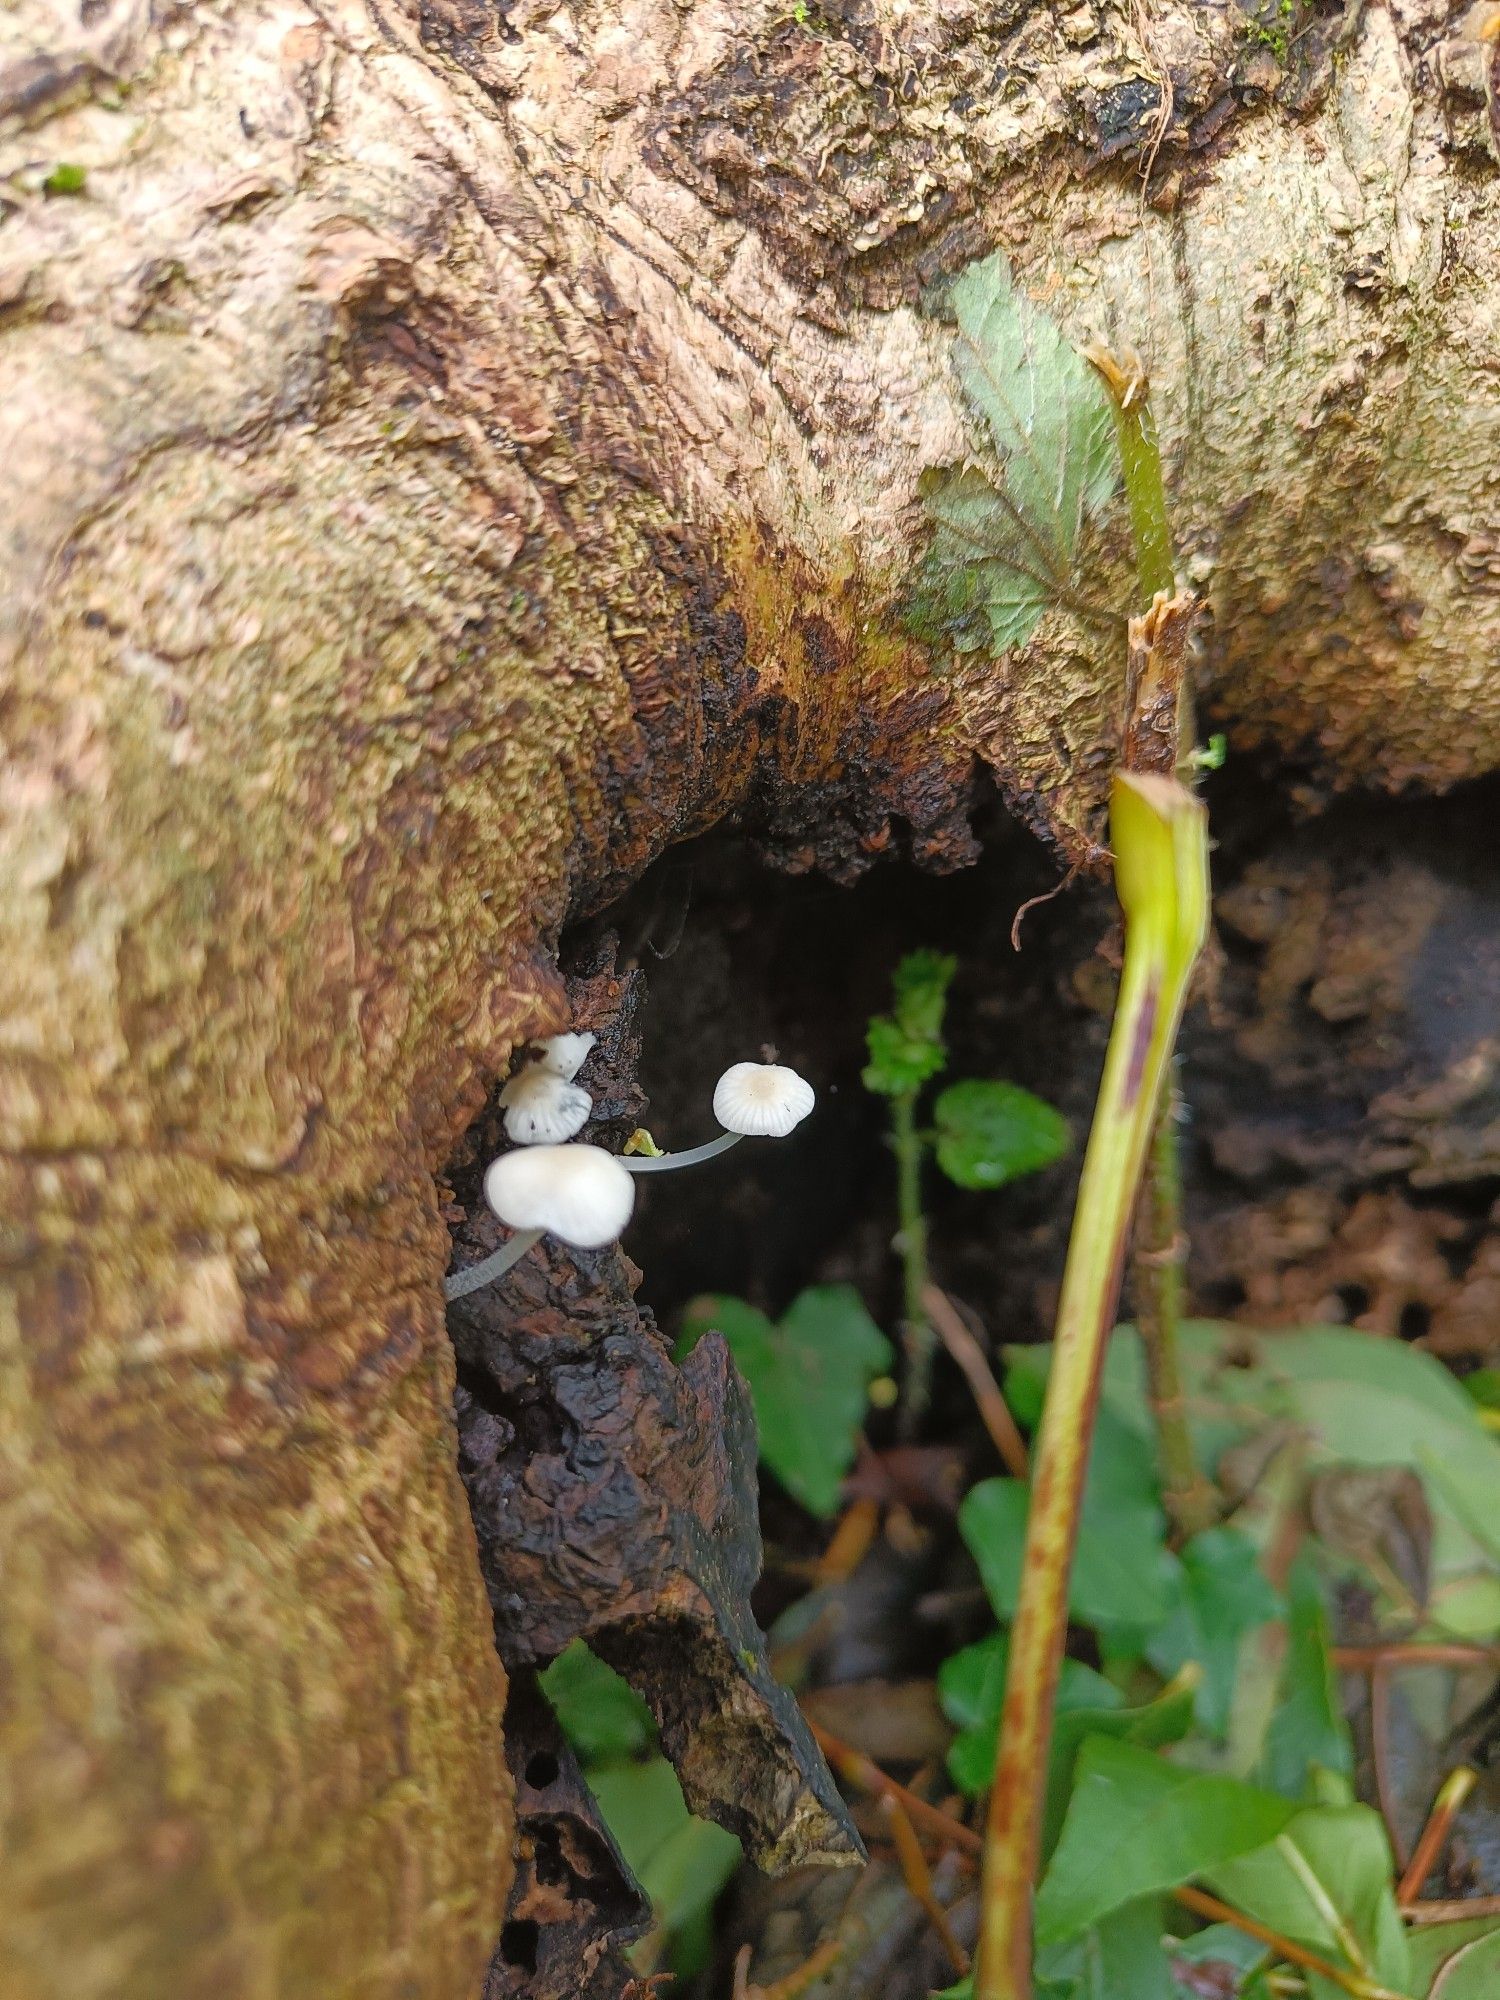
{"x": 1403, "y": 1653}
{"x": 1284, "y": 1947}
{"x": 857, "y": 1769}
{"x": 918, "y": 1878}
{"x": 1458, "y": 1910}
{"x": 1455, "y": 1789}
{"x": 850, "y": 1542}
{"x": 993, "y": 1408}
{"x": 796, "y": 1982}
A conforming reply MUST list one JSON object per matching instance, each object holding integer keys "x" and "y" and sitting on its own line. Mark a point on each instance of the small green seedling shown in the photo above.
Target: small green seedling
{"x": 985, "y": 1134}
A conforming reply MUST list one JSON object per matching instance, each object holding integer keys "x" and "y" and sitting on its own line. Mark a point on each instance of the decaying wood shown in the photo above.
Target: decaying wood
{"x": 451, "y": 452}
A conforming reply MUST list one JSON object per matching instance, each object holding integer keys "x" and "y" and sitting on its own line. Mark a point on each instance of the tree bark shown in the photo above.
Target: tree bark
{"x": 451, "y": 454}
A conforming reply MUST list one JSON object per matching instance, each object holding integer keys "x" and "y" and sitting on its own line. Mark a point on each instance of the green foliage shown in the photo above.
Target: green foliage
{"x": 1324, "y": 1882}
{"x": 1006, "y": 533}
{"x": 1466, "y": 1954}
{"x": 1307, "y": 1731}
{"x": 809, "y": 1377}
{"x": 67, "y": 177}
{"x": 990, "y": 1133}
{"x": 1136, "y": 1825}
{"x": 906, "y": 1045}
{"x": 1123, "y": 1575}
{"x": 1222, "y": 1597}
{"x": 681, "y": 1862}
{"x": 1122, "y": 1955}
{"x": 602, "y": 1716}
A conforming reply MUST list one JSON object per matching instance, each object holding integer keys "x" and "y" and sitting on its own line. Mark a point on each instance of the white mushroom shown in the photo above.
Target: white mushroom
{"x": 579, "y": 1193}
{"x": 542, "y": 1108}
{"x": 751, "y": 1101}
{"x": 564, "y": 1055}
{"x": 762, "y": 1100}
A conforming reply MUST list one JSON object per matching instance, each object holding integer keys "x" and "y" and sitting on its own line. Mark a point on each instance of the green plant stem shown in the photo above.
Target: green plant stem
{"x": 917, "y": 1335}
{"x": 1190, "y": 1500}
{"x": 1145, "y": 492}
{"x": 1160, "y": 844}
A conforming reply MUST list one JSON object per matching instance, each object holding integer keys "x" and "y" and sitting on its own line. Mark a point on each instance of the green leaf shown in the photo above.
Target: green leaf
{"x": 1467, "y": 1955}
{"x": 991, "y": 1132}
{"x": 809, "y": 1380}
{"x": 906, "y": 1045}
{"x": 1123, "y": 1573}
{"x": 67, "y": 177}
{"x": 1006, "y": 546}
{"x": 1324, "y": 1881}
{"x": 601, "y": 1715}
{"x": 1307, "y": 1730}
{"x": 1137, "y": 1825}
{"x": 1224, "y": 1596}
{"x": 1122, "y": 1958}
{"x": 971, "y": 1687}
{"x": 681, "y": 1862}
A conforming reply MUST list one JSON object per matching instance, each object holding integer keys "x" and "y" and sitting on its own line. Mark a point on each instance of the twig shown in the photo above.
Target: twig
{"x": 849, "y": 1544}
{"x": 1161, "y": 873}
{"x": 1456, "y": 1910}
{"x": 993, "y": 1408}
{"x": 1439, "y": 1653}
{"x": 796, "y": 1982}
{"x": 1355, "y": 1983}
{"x": 1455, "y": 1789}
{"x": 857, "y": 1769}
{"x": 918, "y": 1879}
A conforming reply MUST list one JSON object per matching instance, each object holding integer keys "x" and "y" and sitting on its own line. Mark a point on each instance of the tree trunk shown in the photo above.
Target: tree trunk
{"x": 452, "y": 454}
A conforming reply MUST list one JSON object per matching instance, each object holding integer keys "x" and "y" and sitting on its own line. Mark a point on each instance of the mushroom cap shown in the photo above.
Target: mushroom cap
{"x": 580, "y": 1193}
{"x": 541, "y": 1108}
{"x": 564, "y": 1055}
{"x": 762, "y": 1100}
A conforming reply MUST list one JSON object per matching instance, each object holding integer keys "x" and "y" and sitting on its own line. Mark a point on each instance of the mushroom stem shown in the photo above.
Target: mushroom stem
{"x": 472, "y": 1276}
{"x": 661, "y": 1163}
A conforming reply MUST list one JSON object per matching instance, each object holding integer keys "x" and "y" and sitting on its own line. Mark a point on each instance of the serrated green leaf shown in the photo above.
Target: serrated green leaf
{"x": 906, "y": 1045}
{"x": 1223, "y": 1597}
{"x": 601, "y": 1715}
{"x": 990, "y": 1132}
{"x": 1123, "y": 1573}
{"x": 1136, "y": 1825}
{"x": 1324, "y": 1881}
{"x": 809, "y": 1380}
{"x": 1004, "y": 548}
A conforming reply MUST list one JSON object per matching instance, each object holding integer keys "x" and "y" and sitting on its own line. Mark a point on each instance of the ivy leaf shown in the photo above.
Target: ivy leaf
{"x": 601, "y": 1715}
{"x": 809, "y": 1379}
{"x": 1006, "y": 547}
{"x": 681, "y": 1862}
{"x": 1307, "y": 1730}
{"x": 1325, "y": 1882}
{"x": 1224, "y": 1596}
{"x": 989, "y": 1133}
{"x": 1137, "y": 1825}
{"x": 1123, "y": 1573}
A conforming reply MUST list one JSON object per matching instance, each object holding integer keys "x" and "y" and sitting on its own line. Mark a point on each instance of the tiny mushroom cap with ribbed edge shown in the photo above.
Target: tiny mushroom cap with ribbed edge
{"x": 761, "y": 1100}
{"x": 542, "y": 1108}
{"x": 580, "y": 1193}
{"x": 564, "y": 1055}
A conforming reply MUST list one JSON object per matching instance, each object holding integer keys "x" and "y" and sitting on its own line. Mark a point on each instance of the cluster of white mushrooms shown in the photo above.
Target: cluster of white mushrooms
{"x": 580, "y": 1193}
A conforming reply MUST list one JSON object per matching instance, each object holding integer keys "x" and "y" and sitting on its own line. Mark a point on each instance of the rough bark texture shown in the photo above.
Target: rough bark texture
{"x": 452, "y": 452}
